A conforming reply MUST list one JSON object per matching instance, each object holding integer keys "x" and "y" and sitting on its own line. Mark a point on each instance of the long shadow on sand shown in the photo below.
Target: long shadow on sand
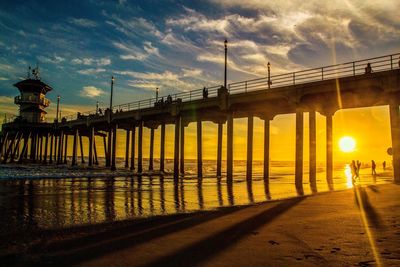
{"x": 79, "y": 250}
{"x": 209, "y": 247}
{"x": 365, "y": 206}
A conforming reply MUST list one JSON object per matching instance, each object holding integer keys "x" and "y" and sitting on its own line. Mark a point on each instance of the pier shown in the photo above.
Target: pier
{"x": 324, "y": 90}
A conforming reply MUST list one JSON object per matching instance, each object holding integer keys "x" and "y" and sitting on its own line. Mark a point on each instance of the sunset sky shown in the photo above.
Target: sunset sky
{"x": 178, "y": 46}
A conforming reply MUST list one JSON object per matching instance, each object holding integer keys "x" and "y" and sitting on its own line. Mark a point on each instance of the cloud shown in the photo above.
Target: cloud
{"x": 91, "y": 71}
{"x": 3, "y": 78}
{"x": 192, "y": 72}
{"x": 132, "y": 27}
{"x": 87, "y": 23}
{"x": 132, "y": 52}
{"x": 52, "y": 60}
{"x": 91, "y": 61}
{"x": 91, "y": 91}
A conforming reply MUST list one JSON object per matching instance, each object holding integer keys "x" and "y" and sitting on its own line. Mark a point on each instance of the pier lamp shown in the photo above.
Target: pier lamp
{"x": 157, "y": 90}
{"x": 226, "y": 56}
{"x": 111, "y": 96}
{"x": 269, "y": 75}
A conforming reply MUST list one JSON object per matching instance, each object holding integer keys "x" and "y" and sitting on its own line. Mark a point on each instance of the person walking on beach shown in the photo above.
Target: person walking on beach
{"x": 358, "y": 168}
{"x": 384, "y": 165}
{"x": 373, "y": 167}
{"x": 353, "y": 169}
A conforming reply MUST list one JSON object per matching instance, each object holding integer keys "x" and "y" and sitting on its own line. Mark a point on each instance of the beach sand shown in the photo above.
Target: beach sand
{"x": 351, "y": 227}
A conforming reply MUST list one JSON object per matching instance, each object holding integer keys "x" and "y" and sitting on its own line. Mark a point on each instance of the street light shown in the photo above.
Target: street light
{"x": 269, "y": 75}
{"x": 111, "y": 96}
{"x": 157, "y": 94}
{"x": 226, "y": 55}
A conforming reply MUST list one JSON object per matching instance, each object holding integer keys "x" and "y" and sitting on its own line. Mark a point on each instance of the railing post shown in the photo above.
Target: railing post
{"x": 245, "y": 86}
{"x": 190, "y": 95}
{"x": 139, "y": 105}
{"x": 294, "y": 78}
{"x": 354, "y": 68}
{"x": 322, "y": 72}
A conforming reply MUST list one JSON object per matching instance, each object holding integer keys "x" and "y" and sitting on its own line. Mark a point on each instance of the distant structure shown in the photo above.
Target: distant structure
{"x": 32, "y": 101}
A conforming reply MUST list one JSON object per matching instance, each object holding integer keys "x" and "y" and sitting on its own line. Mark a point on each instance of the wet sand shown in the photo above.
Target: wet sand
{"x": 350, "y": 227}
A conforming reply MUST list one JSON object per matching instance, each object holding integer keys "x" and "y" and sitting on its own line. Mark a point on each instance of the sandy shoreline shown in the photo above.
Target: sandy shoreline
{"x": 342, "y": 228}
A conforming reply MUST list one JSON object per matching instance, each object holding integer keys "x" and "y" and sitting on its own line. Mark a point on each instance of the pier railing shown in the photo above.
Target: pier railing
{"x": 354, "y": 68}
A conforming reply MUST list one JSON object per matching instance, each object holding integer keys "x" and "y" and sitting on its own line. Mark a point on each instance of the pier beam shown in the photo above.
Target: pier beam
{"x": 114, "y": 148}
{"x": 60, "y": 147}
{"x": 229, "y": 148}
{"x": 176, "y": 148}
{"x": 74, "y": 148}
{"x": 162, "y": 148}
{"x": 140, "y": 148}
{"x": 9, "y": 150}
{"x": 45, "y": 148}
{"x": 312, "y": 150}
{"x": 109, "y": 146}
{"x": 329, "y": 152}
{"x": 91, "y": 139}
{"x": 182, "y": 149}
{"x": 95, "y": 160}
{"x": 266, "y": 153}
{"x": 81, "y": 146}
{"x": 250, "y": 127}
{"x": 199, "y": 149}
{"x": 219, "y": 150}
{"x": 127, "y": 140}
{"x": 299, "y": 152}
{"x": 51, "y": 148}
{"x": 66, "y": 148}
{"x": 395, "y": 133}
{"x": 133, "y": 130}
{"x": 151, "y": 156}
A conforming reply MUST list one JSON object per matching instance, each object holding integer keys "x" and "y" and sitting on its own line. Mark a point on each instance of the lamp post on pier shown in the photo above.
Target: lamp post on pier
{"x": 157, "y": 90}
{"x": 226, "y": 57}
{"x": 111, "y": 96}
{"x": 269, "y": 75}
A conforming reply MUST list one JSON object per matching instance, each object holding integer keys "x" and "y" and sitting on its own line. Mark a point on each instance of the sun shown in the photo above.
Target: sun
{"x": 347, "y": 144}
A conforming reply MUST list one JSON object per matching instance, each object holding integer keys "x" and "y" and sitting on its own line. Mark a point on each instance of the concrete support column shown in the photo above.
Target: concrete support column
{"x": 312, "y": 150}
{"x": 109, "y": 145}
{"x": 229, "y": 148}
{"x": 266, "y": 153}
{"x": 51, "y": 148}
{"x": 182, "y": 149}
{"x": 140, "y": 148}
{"x": 162, "y": 148}
{"x": 55, "y": 154}
{"x": 91, "y": 139}
{"x": 250, "y": 127}
{"x": 96, "y": 161}
{"x": 114, "y": 148}
{"x": 176, "y": 148}
{"x": 219, "y": 150}
{"x": 133, "y": 130}
{"x": 41, "y": 148}
{"x": 299, "y": 152}
{"x": 127, "y": 148}
{"x": 81, "y": 146}
{"x": 60, "y": 147}
{"x": 395, "y": 133}
{"x": 105, "y": 147}
{"x": 45, "y": 148}
{"x": 199, "y": 149}
{"x": 66, "y": 149}
{"x": 9, "y": 149}
{"x": 329, "y": 152}
{"x": 24, "y": 147}
{"x": 74, "y": 148}
{"x": 151, "y": 156}
{"x": 32, "y": 150}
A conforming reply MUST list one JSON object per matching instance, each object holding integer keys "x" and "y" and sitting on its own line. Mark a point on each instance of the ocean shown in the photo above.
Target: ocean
{"x": 60, "y": 196}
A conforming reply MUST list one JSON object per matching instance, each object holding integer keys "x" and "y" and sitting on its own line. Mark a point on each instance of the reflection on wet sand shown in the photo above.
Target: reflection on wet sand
{"x": 53, "y": 203}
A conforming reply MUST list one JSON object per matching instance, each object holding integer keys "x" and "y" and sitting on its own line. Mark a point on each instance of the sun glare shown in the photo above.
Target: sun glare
{"x": 347, "y": 144}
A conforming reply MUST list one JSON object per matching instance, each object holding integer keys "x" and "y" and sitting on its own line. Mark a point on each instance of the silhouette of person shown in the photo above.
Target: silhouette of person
{"x": 358, "y": 167}
{"x": 384, "y": 165}
{"x": 353, "y": 169}
{"x": 373, "y": 167}
{"x": 368, "y": 68}
{"x": 205, "y": 92}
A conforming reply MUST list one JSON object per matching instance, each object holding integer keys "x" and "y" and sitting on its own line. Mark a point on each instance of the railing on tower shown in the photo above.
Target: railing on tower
{"x": 354, "y": 68}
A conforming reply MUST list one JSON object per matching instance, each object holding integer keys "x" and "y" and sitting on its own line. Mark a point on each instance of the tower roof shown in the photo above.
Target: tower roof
{"x": 33, "y": 85}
